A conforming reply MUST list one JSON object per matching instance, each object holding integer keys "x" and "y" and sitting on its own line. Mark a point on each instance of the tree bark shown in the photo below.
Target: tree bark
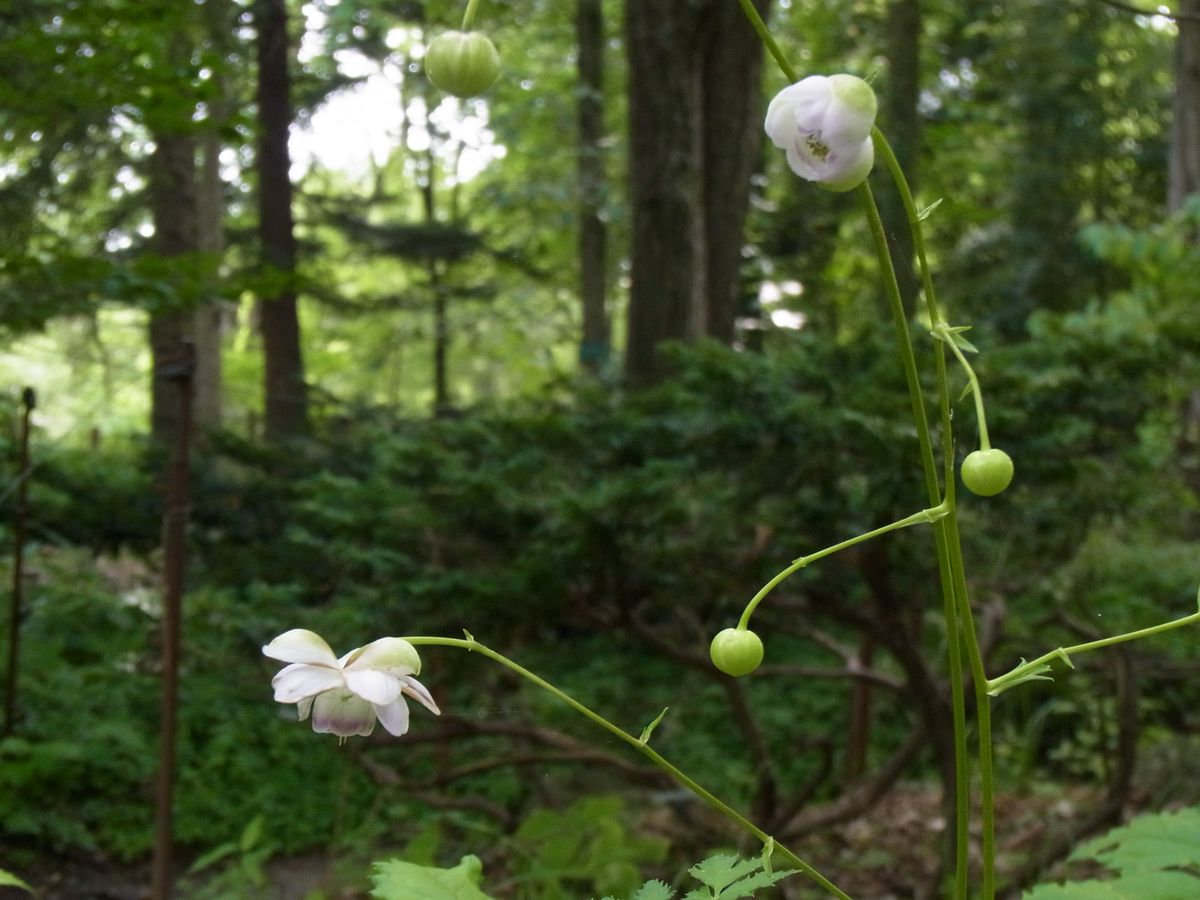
{"x": 595, "y": 346}
{"x": 902, "y": 126}
{"x": 172, "y": 186}
{"x": 1185, "y": 128}
{"x": 286, "y": 395}
{"x": 732, "y": 132}
{"x": 664, "y": 153}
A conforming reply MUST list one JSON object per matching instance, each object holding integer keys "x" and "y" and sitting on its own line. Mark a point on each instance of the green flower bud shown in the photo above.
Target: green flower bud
{"x": 736, "y": 651}
{"x": 462, "y": 64}
{"x": 987, "y": 472}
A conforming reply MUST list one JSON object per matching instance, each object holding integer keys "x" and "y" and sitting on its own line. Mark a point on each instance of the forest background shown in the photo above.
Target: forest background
{"x": 578, "y": 366}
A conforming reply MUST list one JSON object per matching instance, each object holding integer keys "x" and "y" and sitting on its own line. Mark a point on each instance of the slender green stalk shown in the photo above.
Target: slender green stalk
{"x": 470, "y": 644}
{"x": 924, "y": 517}
{"x": 953, "y": 539}
{"x": 1032, "y": 670}
{"x": 469, "y": 16}
{"x": 984, "y": 442}
{"x": 764, "y": 35}
{"x": 942, "y": 539}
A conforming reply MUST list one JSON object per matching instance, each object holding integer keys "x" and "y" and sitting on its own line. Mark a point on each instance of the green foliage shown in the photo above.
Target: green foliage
{"x": 588, "y": 847}
{"x": 723, "y": 877}
{"x": 399, "y": 880}
{"x": 1156, "y": 855}
{"x": 7, "y": 879}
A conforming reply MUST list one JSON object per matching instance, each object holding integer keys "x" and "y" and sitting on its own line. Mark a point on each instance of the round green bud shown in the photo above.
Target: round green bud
{"x": 462, "y": 63}
{"x": 987, "y": 472}
{"x": 736, "y": 651}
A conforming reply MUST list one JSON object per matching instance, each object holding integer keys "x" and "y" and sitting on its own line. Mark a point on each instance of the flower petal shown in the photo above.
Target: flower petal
{"x": 299, "y": 680}
{"x": 395, "y": 656}
{"x": 394, "y": 716}
{"x": 342, "y": 713}
{"x": 303, "y": 708}
{"x": 417, "y": 691}
{"x": 849, "y": 170}
{"x": 374, "y": 686}
{"x": 301, "y": 646}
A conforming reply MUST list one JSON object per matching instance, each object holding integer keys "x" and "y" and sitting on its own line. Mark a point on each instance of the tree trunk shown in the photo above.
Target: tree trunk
{"x": 595, "y": 346}
{"x": 732, "y": 131}
{"x": 695, "y": 123}
{"x": 664, "y": 157}
{"x": 901, "y": 124}
{"x": 172, "y": 186}
{"x": 286, "y": 395}
{"x": 1185, "y": 129}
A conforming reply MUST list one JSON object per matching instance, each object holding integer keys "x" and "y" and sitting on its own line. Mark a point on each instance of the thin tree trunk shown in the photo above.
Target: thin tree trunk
{"x": 595, "y": 346}
{"x": 286, "y": 395}
{"x": 1185, "y": 129}
{"x": 902, "y": 125}
{"x": 731, "y": 72}
{"x": 172, "y": 186}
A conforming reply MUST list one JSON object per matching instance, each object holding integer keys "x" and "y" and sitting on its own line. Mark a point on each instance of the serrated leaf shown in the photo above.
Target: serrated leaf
{"x": 399, "y": 880}
{"x": 747, "y": 887}
{"x": 654, "y": 890}
{"x": 722, "y": 870}
{"x": 1143, "y": 886}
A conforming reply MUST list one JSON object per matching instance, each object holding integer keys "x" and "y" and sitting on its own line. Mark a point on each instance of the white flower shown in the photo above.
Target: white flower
{"x": 824, "y": 124}
{"x": 347, "y": 695}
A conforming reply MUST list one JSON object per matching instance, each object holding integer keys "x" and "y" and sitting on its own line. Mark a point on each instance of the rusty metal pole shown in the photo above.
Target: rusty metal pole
{"x": 179, "y": 370}
{"x": 29, "y": 401}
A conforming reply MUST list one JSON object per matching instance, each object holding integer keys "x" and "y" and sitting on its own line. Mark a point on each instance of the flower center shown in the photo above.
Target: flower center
{"x": 815, "y": 146}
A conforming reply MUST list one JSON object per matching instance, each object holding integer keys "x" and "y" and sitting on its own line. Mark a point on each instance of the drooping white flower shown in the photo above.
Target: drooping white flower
{"x": 345, "y": 696}
{"x": 824, "y": 123}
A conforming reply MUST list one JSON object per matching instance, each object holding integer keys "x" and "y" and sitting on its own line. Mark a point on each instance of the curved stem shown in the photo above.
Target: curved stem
{"x": 946, "y": 337}
{"x": 924, "y": 517}
{"x": 471, "y": 645}
{"x": 469, "y": 16}
{"x": 768, "y": 40}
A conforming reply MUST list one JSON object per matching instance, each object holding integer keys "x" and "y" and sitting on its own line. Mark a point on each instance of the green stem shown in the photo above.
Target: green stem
{"x": 765, "y": 36}
{"x": 965, "y": 615}
{"x": 1023, "y": 672}
{"x": 924, "y": 517}
{"x": 947, "y": 338}
{"x": 471, "y": 645}
{"x": 469, "y": 16}
{"x": 942, "y": 534}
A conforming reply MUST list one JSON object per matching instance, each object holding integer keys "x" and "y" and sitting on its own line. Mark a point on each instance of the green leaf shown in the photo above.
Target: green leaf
{"x": 722, "y": 870}
{"x": 399, "y": 880}
{"x": 1145, "y": 856}
{"x": 927, "y": 211}
{"x": 7, "y": 879}
{"x": 649, "y": 729}
{"x": 654, "y": 890}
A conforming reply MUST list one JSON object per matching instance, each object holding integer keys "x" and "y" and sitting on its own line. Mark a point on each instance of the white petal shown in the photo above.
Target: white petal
{"x": 300, "y": 680}
{"x": 395, "y": 656}
{"x": 417, "y": 691}
{"x": 303, "y": 708}
{"x": 342, "y": 713}
{"x": 803, "y": 164}
{"x": 811, "y": 97}
{"x": 851, "y": 112}
{"x": 846, "y": 171}
{"x": 394, "y": 716}
{"x": 376, "y": 687}
{"x": 781, "y": 120}
{"x": 301, "y": 646}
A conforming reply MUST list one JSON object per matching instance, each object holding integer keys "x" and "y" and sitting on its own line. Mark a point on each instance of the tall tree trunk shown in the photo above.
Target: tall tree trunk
{"x": 731, "y": 72}
{"x": 664, "y": 156}
{"x": 1185, "y": 129}
{"x": 595, "y": 346}
{"x": 172, "y": 186}
{"x": 902, "y": 125}
{"x": 286, "y": 394}
{"x": 694, "y": 68}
